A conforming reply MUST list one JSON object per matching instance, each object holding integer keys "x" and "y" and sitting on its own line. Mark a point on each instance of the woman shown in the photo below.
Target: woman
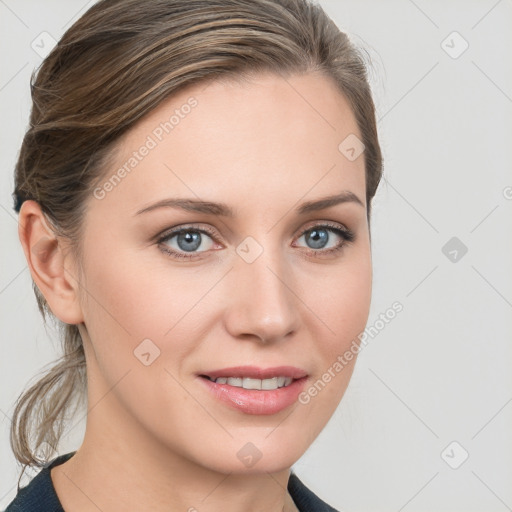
{"x": 194, "y": 198}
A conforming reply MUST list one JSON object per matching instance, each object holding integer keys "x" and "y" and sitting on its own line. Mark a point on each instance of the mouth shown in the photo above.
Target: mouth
{"x": 250, "y": 383}
{"x": 255, "y": 390}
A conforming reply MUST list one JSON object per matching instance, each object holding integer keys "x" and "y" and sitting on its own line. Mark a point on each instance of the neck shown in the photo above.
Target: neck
{"x": 142, "y": 475}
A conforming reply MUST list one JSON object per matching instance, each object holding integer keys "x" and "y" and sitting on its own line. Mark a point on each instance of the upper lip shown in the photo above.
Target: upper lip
{"x": 254, "y": 372}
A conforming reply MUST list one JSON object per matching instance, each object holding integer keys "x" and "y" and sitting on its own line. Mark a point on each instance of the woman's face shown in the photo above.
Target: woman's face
{"x": 261, "y": 286}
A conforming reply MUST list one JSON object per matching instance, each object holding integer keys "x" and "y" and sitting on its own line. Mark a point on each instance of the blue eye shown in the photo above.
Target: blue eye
{"x": 189, "y": 242}
{"x": 186, "y": 240}
{"x": 325, "y": 239}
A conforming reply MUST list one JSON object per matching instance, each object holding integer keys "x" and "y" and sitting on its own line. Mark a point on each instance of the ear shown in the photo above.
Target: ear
{"x": 52, "y": 269}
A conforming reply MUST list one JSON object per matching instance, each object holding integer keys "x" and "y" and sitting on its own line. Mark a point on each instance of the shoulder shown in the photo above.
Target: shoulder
{"x": 306, "y": 500}
{"x": 39, "y": 495}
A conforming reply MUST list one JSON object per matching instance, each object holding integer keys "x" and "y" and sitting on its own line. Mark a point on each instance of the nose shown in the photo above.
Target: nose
{"x": 264, "y": 305}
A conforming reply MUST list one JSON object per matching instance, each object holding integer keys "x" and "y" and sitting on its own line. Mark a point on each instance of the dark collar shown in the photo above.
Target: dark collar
{"x": 306, "y": 500}
{"x": 39, "y": 495}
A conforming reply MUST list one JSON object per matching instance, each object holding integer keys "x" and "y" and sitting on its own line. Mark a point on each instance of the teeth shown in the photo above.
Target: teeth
{"x": 249, "y": 383}
{"x": 272, "y": 383}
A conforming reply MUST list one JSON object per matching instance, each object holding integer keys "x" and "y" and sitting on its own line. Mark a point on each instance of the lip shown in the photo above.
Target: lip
{"x": 255, "y": 372}
{"x": 254, "y": 401}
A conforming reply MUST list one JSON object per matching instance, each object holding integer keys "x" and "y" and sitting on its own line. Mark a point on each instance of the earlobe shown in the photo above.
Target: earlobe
{"x": 49, "y": 264}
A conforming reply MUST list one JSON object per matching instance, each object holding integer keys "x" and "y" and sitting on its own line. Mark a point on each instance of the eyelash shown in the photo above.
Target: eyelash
{"x": 346, "y": 234}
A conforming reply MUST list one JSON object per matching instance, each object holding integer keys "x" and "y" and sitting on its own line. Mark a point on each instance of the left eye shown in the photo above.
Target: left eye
{"x": 321, "y": 237}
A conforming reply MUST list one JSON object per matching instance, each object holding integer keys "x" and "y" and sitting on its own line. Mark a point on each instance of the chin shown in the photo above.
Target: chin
{"x": 257, "y": 451}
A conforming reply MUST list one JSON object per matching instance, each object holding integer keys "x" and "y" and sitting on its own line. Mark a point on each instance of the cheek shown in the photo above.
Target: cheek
{"x": 350, "y": 304}
{"x": 342, "y": 304}
{"x": 133, "y": 297}
{"x": 341, "y": 299}
{"x": 125, "y": 293}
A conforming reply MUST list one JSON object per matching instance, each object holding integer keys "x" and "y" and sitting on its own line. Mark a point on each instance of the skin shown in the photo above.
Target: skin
{"x": 155, "y": 439}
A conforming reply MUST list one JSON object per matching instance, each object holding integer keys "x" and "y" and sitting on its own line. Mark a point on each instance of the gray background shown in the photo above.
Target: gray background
{"x": 440, "y": 371}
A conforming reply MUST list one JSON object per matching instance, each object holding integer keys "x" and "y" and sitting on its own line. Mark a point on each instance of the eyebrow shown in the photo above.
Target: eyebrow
{"x": 223, "y": 210}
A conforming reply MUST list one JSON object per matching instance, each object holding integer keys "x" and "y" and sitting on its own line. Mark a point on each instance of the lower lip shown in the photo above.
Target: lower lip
{"x": 255, "y": 401}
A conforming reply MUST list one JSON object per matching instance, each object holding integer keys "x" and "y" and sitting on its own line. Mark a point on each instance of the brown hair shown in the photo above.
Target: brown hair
{"x": 112, "y": 67}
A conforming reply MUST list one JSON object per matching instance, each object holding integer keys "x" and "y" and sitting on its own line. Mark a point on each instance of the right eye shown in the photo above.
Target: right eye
{"x": 186, "y": 242}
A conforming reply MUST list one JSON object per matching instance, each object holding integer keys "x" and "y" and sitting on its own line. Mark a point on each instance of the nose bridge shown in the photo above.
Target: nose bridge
{"x": 263, "y": 304}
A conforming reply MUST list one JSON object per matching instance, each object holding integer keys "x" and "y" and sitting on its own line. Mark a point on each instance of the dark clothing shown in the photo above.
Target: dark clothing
{"x": 40, "y": 496}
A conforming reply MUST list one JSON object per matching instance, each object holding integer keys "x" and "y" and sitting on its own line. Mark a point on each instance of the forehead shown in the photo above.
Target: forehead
{"x": 249, "y": 141}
